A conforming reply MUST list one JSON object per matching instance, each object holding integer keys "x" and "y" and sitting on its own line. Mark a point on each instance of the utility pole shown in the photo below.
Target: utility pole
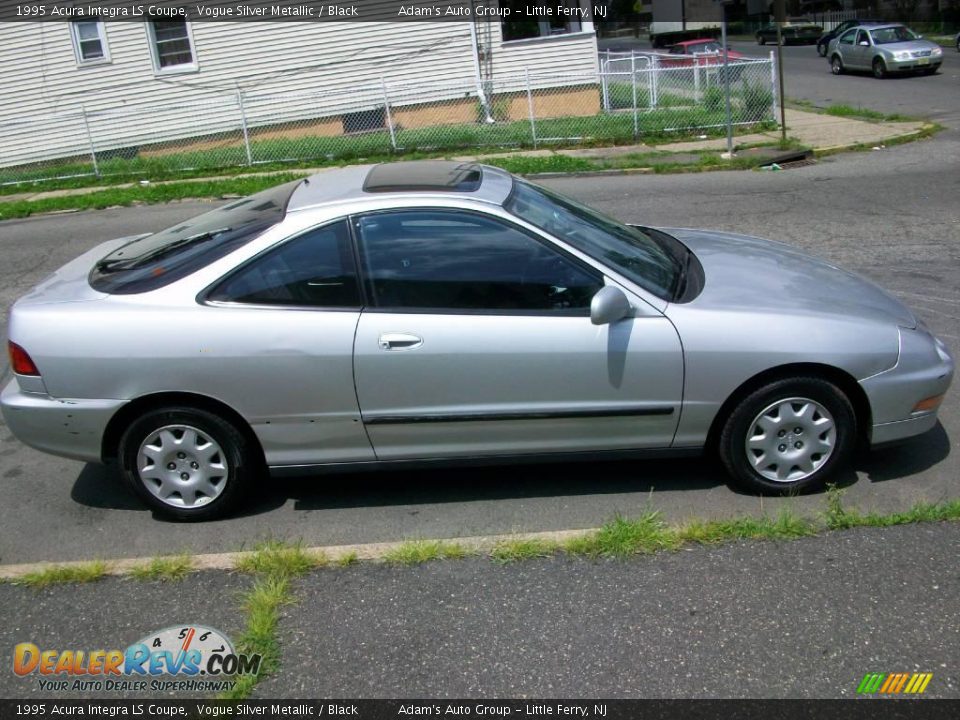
{"x": 779, "y": 15}
{"x": 726, "y": 78}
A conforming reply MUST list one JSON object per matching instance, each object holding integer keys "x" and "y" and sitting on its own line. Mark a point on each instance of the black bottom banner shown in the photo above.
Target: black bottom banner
{"x": 860, "y": 709}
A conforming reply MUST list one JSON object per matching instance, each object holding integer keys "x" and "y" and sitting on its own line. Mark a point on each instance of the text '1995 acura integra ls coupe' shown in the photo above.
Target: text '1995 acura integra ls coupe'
{"x": 420, "y": 313}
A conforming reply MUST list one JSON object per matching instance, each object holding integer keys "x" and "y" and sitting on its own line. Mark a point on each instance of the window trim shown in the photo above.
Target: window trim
{"x": 203, "y": 297}
{"x": 104, "y": 45}
{"x": 191, "y": 67}
{"x": 368, "y": 295}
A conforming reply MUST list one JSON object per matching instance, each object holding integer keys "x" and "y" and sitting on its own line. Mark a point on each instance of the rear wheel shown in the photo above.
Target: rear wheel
{"x": 761, "y": 40}
{"x": 836, "y": 65}
{"x": 186, "y": 463}
{"x": 879, "y": 68}
{"x": 789, "y": 436}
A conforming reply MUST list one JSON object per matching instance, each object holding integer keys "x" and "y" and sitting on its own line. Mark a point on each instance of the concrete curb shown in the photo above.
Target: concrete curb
{"x": 228, "y": 560}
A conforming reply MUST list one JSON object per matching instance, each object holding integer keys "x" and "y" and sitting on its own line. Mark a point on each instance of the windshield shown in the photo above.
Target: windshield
{"x": 155, "y": 260}
{"x": 705, "y": 47}
{"x": 644, "y": 258}
{"x": 885, "y": 36}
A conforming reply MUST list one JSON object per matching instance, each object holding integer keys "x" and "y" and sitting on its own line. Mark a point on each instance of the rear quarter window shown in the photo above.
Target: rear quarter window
{"x": 164, "y": 257}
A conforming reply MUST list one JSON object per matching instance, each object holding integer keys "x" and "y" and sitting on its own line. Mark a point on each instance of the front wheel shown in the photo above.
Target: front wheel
{"x": 836, "y": 65}
{"x": 788, "y": 436}
{"x": 879, "y": 69}
{"x": 821, "y": 50}
{"x": 187, "y": 463}
{"x": 761, "y": 40}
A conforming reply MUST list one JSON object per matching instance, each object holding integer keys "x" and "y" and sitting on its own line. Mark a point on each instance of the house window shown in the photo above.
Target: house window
{"x": 90, "y": 42}
{"x": 172, "y": 46}
{"x": 555, "y": 24}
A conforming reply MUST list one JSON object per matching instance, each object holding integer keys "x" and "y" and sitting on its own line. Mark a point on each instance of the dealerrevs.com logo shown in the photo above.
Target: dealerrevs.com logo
{"x": 183, "y": 657}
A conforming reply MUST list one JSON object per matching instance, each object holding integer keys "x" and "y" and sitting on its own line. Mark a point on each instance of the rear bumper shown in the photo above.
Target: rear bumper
{"x": 65, "y": 427}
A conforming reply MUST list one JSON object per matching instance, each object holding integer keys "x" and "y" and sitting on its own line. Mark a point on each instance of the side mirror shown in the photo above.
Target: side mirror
{"x": 864, "y": 43}
{"x": 608, "y": 306}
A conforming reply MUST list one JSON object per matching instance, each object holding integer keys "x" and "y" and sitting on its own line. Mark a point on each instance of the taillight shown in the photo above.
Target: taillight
{"x": 20, "y": 361}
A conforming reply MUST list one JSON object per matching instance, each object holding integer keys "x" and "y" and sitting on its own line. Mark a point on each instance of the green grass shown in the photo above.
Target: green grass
{"x": 167, "y": 568}
{"x": 60, "y": 574}
{"x": 508, "y": 551}
{"x": 838, "y": 517}
{"x": 602, "y": 129}
{"x": 262, "y": 605}
{"x": 278, "y": 559}
{"x": 415, "y": 552}
{"x": 275, "y": 564}
{"x": 524, "y": 165}
{"x": 863, "y": 113}
{"x": 149, "y": 194}
{"x": 348, "y": 559}
{"x": 621, "y": 537}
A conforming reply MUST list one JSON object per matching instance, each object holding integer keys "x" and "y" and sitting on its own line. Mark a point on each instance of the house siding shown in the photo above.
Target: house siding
{"x": 286, "y": 71}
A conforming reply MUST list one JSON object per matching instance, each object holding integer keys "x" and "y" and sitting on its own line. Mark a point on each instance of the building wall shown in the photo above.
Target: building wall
{"x": 287, "y": 72}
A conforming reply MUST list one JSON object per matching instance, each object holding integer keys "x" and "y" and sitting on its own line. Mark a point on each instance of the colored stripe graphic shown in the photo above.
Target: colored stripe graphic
{"x": 894, "y": 683}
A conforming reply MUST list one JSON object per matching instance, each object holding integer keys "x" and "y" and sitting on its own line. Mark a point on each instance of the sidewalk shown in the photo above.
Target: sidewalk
{"x": 816, "y": 131}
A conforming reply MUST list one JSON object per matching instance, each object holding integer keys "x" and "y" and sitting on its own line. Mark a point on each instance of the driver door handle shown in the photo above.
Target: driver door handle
{"x": 400, "y": 341}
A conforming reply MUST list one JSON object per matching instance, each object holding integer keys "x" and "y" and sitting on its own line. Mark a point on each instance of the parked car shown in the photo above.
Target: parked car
{"x": 957, "y": 42}
{"x": 823, "y": 43}
{"x": 884, "y": 49}
{"x": 704, "y": 51}
{"x": 442, "y": 312}
{"x": 796, "y": 31}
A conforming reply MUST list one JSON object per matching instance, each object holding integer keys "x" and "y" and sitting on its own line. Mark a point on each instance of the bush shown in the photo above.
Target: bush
{"x": 757, "y": 102}
{"x": 714, "y": 98}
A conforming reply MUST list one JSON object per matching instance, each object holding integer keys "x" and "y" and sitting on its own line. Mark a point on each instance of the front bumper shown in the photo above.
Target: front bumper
{"x": 924, "y": 370}
{"x": 66, "y": 427}
{"x": 927, "y": 63}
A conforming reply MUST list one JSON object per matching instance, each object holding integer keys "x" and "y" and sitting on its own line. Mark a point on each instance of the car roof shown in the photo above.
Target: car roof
{"x": 403, "y": 180}
{"x": 697, "y": 42}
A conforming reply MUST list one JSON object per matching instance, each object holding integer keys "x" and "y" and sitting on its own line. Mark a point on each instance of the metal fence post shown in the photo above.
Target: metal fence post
{"x": 633, "y": 86}
{"x": 773, "y": 83}
{"x": 654, "y": 64}
{"x": 604, "y": 67}
{"x": 93, "y": 151}
{"x": 243, "y": 123}
{"x": 533, "y": 122}
{"x": 389, "y": 117}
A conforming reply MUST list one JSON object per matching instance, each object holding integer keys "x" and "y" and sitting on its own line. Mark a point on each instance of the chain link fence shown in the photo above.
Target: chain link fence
{"x": 631, "y": 99}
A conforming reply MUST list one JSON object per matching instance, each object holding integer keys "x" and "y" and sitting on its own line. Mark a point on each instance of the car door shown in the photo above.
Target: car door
{"x": 477, "y": 340}
{"x": 279, "y": 334}
{"x": 861, "y": 51}
{"x": 847, "y": 48}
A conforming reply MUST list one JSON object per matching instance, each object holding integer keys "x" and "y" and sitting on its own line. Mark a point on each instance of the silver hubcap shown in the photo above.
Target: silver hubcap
{"x": 182, "y": 466}
{"x": 790, "y": 439}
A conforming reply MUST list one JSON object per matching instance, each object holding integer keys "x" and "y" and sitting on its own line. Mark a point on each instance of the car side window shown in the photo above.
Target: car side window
{"x": 451, "y": 260}
{"x": 847, "y": 37}
{"x": 862, "y": 37}
{"x": 315, "y": 269}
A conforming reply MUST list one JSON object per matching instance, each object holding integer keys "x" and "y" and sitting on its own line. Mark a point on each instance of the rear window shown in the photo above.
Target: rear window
{"x": 156, "y": 260}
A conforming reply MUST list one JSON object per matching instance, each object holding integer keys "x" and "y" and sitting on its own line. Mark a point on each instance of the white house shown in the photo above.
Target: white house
{"x": 143, "y": 84}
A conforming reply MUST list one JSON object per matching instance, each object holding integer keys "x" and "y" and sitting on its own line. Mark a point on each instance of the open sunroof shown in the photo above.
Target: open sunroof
{"x": 430, "y": 175}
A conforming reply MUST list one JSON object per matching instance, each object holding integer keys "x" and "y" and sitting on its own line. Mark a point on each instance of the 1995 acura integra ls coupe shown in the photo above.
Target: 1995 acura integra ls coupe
{"x": 435, "y": 311}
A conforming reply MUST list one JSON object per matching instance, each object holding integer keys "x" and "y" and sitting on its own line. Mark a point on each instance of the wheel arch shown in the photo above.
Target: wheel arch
{"x": 842, "y": 379}
{"x": 137, "y": 407}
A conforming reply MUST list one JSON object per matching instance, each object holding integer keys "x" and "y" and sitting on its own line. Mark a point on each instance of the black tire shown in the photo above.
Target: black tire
{"x": 879, "y": 68}
{"x": 821, "y": 50}
{"x": 836, "y": 65}
{"x": 236, "y": 455}
{"x": 761, "y": 40}
{"x": 734, "y": 436}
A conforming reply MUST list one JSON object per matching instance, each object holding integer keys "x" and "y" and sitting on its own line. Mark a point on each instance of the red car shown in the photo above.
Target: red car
{"x": 705, "y": 51}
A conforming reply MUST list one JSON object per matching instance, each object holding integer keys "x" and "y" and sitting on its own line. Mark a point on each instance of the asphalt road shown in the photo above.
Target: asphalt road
{"x": 892, "y": 215}
{"x": 807, "y": 77}
{"x": 802, "y": 619}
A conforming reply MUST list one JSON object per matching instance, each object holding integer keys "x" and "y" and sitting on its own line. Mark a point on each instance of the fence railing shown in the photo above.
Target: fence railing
{"x": 629, "y": 99}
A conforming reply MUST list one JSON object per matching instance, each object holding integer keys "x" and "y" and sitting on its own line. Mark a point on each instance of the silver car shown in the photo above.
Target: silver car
{"x": 882, "y": 50}
{"x": 436, "y": 312}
